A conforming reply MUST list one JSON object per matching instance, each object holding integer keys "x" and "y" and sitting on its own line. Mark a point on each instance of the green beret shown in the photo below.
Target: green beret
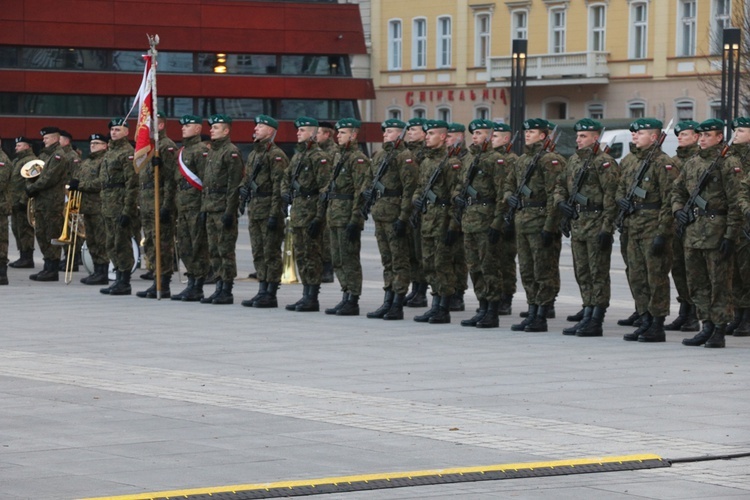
{"x": 347, "y": 123}
{"x": 267, "y": 120}
{"x": 710, "y": 124}
{"x": 480, "y": 124}
{"x": 220, "y": 119}
{"x": 161, "y": 115}
{"x": 118, "y": 122}
{"x": 416, "y": 122}
{"x": 536, "y": 123}
{"x": 648, "y": 124}
{"x": 685, "y": 125}
{"x": 633, "y": 127}
{"x": 587, "y": 125}
{"x": 188, "y": 119}
{"x": 305, "y": 121}
{"x": 392, "y": 123}
{"x": 501, "y": 127}
{"x": 431, "y": 124}
{"x": 456, "y": 127}
{"x": 741, "y": 121}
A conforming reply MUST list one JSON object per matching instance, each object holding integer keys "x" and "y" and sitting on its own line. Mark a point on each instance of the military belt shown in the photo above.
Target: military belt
{"x": 114, "y": 185}
{"x": 216, "y": 191}
{"x": 392, "y": 192}
{"x": 532, "y": 204}
{"x": 480, "y": 200}
{"x": 588, "y": 208}
{"x": 443, "y": 202}
{"x": 147, "y": 185}
{"x": 699, "y": 212}
{"x": 338, "y": 196}
{"x": 307, "y": 194}
{"x": 647, "y": 206}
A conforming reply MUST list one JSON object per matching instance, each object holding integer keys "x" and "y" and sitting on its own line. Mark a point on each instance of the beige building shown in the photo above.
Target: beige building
{"x": 605, "y": 59}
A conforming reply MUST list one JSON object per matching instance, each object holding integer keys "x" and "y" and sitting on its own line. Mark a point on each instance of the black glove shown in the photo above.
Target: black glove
{"x": 30, "y": 192}
{"x": 726, "y": 248}
{"x": 509, "y": 231}
{"x": 352, "y": 232}
{"x": 625, "y": 205}
{"x": 459, "y": 202}
{"x": 682, "y": 217}
{"x": 156, "y": 161}
{"x": 227, "y": 220}
{"x": 514, "y": 201}
{"x": 202, "y": 217}
{"x": 165, "y": 216}
{"x": 605, "y": 240}
{"x": 313, "y": 229}
{"x": 73, "y": 184}
{"x": 399, "y": 227}
{"x": 493, "y": 236}
{"x": 418, "y": 203}
{"x": 286, "y": 198}
{"x": 368, "y": 195}
{"x": 567, "y": 210}
{"x": 272, "y": 224}
{"x": 123, "y": 220}
{"x": 547, "y": 238}
{"x": 244, "y": 192}
{"x": 450, "y": 237}
{"x": 658, "y": 245}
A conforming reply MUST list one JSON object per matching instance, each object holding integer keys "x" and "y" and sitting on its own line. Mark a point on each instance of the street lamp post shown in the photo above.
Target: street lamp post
{"x": 518, "y": 91}
{"x": 730, "y": 76}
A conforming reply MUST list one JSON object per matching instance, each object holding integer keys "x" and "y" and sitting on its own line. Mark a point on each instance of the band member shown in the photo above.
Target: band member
{"x": 23, "y": 231}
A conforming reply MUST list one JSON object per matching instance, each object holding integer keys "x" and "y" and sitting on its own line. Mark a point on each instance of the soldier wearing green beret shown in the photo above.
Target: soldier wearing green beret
{"x": 390, "y": 212}
{"x": 456, "y": 142}
{"x": 710, "y": 238}
{"x": 305, "y": 180}
{"x": 536, "y": 225}
{"x": 740, "y": 149}
{"x": 5, "y": 210}
{"x": 326, "y": 139}
{"x": 190, "y": 227}
{"x": 591, "y": 218}
{"x": 261, "y": 185}
{"x": 649, "y": 230}
{"x": 415, "y": 136}
{"x": 19, "y": 221}
{"x": 219, "y": 203}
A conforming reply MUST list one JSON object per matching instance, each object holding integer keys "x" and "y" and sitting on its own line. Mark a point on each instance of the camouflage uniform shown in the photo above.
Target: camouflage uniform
{"x": 23, "y": 232}
{"x": 417, "y": 276}
{"x": 507, "y": 250}
{"x": 48, "y": 191}
{"x": 91, "y": 206}
{"x": 679, "y": 274}
{"x": 330, "y": 148}
{"x": 741, "y": 278}
{"x": 5, "y": 174}
{"x": 460, "y": 267}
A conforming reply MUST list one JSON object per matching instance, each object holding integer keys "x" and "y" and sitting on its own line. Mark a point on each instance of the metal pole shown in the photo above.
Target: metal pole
{"x": 153, "y": 42}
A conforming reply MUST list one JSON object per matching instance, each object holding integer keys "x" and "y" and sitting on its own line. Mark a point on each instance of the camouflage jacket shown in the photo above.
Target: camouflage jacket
{"x": 117, "y": 180}
{"x": 418, "y": 150}
{"x": 438, "y": 217}
{"x": 312, "y": 168}
{"x": 74, "y": 161}
{"x": 272, "y": 162}
{"x": 18, "y": 183}
{"x": 191, "y": 156}
{"x": 684, "y": 153}
{"x": 6, "y": 168}
{"x": 399, "y": 181}
{"x": 167, "y": 180}
{"x": 485, "y": 193}
{"x": 221, "y": 180}
{"x": 49, "y": 187}
{"x": 329, "y": 147}
{"x": 88, "y": 183}
{"x": 345, "y": 200}
{"x": 724, "y": 218}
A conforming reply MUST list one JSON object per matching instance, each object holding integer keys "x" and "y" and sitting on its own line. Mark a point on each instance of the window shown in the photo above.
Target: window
{"x": 715, "y": 109}
{"x": 519, "y": 24}
{"x": 636, "y": 109}
{"x": 419, "y": 113}
{"x": 638, "y": 30}
{"x": 557, "y": 31}
{"x": 419, "y": 44}
{"x": 482, "y": 43}
{"x": 555, "y": 109}
{"x": 444, "y": 42}
{"x": 686, "y": 28}
{"x": 394, "y": 45}
{"x": 597, "y": 25}
{"x": 482, "y": 113}
{"x": 444, "y": 114}
{"x": 720, "y": 19}
{"x": 685, "y": 110}
{"x": 394, "y": 113}
{"x": 595, "y": 111}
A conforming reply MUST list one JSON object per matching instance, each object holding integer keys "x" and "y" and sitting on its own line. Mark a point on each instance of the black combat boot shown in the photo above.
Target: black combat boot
{"x": 383, "y": 309}
{"x": 731, "y": 327}
{"x": 550, "y": 312}
{"x": 443, "y": 313}
{"x": 26, "y": 261}
{"x": 506, "y": 306}
{"x": 539, "y": 322}
{"x": 225, "y": 297}
{"x": 743, "y": 329}
{"x": 212, "y": 278}
{"x": 108, "y": 289}
{"x": 577, "y": 317}
{"x": 692, "y": 324}
{"x": 350, "y": 307}
{"x": 397, "y": 308}
{"x": 594, "y": 326}
{"x": 646, "y": 320}
{"x": 424, "y": 318}
{"x": 148, "y": 275}
{"x": 195, "y": 293}
{"x": 457, "y": 301}
{"x": 717, "y": 338}
{"x": 334, "y": 309}
{"x": 681, "y": 318}
{"x": 483, "y": 306}
{"x": 327, "y": 276}
{"x": 310, "y": 304}
{"x": 702, "y": 336}
{"x": 655, "y": 332}
{"x": 530, "y": 314}
{"x": 414, "y": 288}
{"x": 3, "y": 275}
{"x": 100, "y": 276}
{"x": 585, "y": 315}
{"x": 52, "y": 273}
{"x": 293, "y": 307}
{"x": 190, "y": 284}
{"x": 122, "y": 287}
{"x": 150, "y": 291}
{"x": 166, "y": 292}
{"x": 490, "y": 320}
{"x": 217, "y": 292}
{"x": 262, "y": 289}
{"x": 45, "y": 266}
{"x": 268, "y": 301}
{"x": 630, "y": 320}
{"x": 420, "y": 298}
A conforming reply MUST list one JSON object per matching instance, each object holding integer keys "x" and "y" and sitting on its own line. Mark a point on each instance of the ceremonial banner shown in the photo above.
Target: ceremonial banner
{"x": 144, "y": 133}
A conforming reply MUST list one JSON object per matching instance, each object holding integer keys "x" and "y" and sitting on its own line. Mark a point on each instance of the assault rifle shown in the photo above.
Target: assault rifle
{"x": 332, "y": 185}
{"x": 294, "y": 181}
{"x": 523, "y": 189}
{"x": 252, "y": 186}
{"x": 377, "y": 188}
{"x": 428, "y": 195}
{"x": 635, "y": 189}
{"x": 509, "y": 146}
{"x": 467, "y": 190}
{"x": 576, "y": 198}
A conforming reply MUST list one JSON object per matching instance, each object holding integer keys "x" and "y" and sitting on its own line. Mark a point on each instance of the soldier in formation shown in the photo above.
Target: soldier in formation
{"x": 740, "y": 149}
{"x": 23, "y": 231}
{"x": 5, "y": 210}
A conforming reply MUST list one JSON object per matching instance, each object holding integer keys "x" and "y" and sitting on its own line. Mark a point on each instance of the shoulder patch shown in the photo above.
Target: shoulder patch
{"x": 360, "y": 160}
{"x": 668, "y": 167}
{"x": 57, "y": 157}
{"x": 323, "y": 161}
{"x": 170, "y": 149}
{"x": 278, "y": 158}
{"x": 205, "y": 153}
{"x": 737, "y": 170}
{"x": 555, "y": 162}
{"x": 606, "y": 164}
{"x": 409, "y": 160}
{"x": 500, "y": 161}
{"x": 456, "y": 166}
{"x": 234, "y": 155}
{"x": 130, "y": 157}
{"x": 2, "y": 164}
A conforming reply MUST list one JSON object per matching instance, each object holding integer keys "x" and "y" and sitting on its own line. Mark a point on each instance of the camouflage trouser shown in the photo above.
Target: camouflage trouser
{"x": 23, "y": 232}
{"x": 48, "y": 225}
{"x": 538, "y": 267}
{"x": 308, "y": 254}
{"x": 557, "y": 246}
{"x": 3, "y": 240}
{"x": 483, "y": 262}
{"x": 437, "y": 264}
{"x": 119, "y": 244}
{"x": 679, "y": 274}
{"x": 710, "y": 281}
{"x": 591, "y": 265}
{"x": 166, "y": 233}
{"x": 415, "y": 255}
{"x": 507, "y": 255}
{"x": 346, "y": 263}
{"x": 221, "y": 246}
{"x": 649, "y": 276}
{"x": 326, "y": 255}
{"x": 624, "y": 255}
{"x": 460, "y": 268}
{"x": 191, "y": 242}
{"x": 266, "y": 247}
{"x": 96, "y": 238}
{"x": 741, "y": 281}
{"x": 394, "y": 256}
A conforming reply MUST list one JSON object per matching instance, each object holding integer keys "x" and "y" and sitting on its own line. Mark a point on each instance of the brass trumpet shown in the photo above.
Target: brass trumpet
{"x": 289, "y": 275}
{"x": 69, "y": 236}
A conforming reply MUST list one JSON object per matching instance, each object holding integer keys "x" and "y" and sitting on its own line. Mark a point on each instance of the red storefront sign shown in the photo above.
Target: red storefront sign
{"x": 415, "y": 97}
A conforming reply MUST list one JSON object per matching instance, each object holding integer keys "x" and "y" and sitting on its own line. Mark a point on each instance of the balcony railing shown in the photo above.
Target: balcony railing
{"x": 554, "y": 66}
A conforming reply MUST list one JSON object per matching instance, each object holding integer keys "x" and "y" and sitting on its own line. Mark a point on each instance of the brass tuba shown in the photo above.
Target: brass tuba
{"x": 31, "y": 170}
{"x": 289, "y": 275}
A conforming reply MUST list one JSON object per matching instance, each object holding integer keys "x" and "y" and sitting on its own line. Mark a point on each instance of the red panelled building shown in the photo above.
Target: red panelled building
{"x": 77, "y": 63}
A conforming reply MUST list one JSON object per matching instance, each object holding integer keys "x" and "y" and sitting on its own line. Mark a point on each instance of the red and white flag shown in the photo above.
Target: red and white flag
{"x": 144, "y": 132}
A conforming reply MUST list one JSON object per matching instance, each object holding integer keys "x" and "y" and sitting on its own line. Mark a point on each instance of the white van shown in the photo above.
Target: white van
{"x": 619, "y": 142}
